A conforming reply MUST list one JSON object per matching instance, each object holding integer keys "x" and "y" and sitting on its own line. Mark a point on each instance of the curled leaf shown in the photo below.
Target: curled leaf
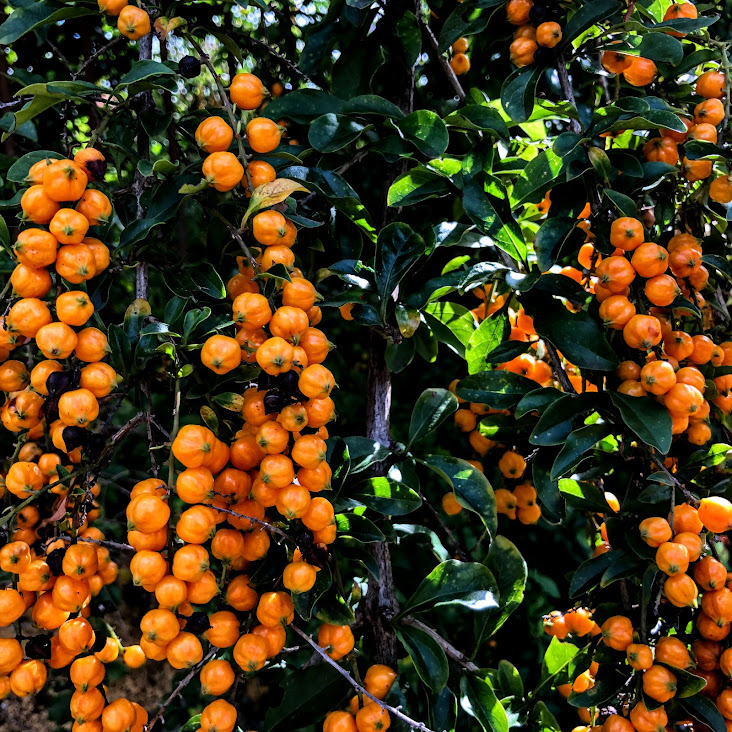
{"x": 270, "y": 194}
{"x": 164, "y": 25}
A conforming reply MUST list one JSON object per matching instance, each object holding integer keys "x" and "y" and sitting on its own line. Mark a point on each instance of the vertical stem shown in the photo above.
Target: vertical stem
{"x": 143, "y": 150}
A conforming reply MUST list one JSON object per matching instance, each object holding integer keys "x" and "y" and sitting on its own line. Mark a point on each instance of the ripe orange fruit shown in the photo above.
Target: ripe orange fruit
{"x": 214, "y": 135}
{"x": 35, "y": 247}
{"x": 715, "y": 513}
{"x": 659, "y": 683}
{"x": 222, "y": 170}
{"x": 37, "y": 205}
{"x": 517, "y": 11}
{"x": 261, "y": 172}
{"x": 247, "y": 91}
{"x": 614, "y": 62}
{"x": 657, "y": 377}
{"x": 133, "y": 22}
{"x": 641, "y": 72}
{"x": 522, "y": 51}
{"x": 720, "y": 190}
{"x": 642, "y": 332}
{"x": 616, "y": 311}
{"x": 627, "y": 233}
{"x": 337, "y": 640}
{"x": 680, "y": 590}
{"x": 95, "y": 206}
{"x": 263, "y": 135}
{"x": 221, "y": 354}
{"x": 710, "y": 85}
{"x": 549, "y": 34}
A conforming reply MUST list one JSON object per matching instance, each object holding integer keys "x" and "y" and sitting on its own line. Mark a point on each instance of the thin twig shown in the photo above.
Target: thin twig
{"x": 182, "y": 685}
{"x": 227, "y": 105}
{"x": 568, "y": 92}
{"x": 273, "y": 52}
{"x": 558, "y": 369}
{"x": 450, "y": 650}
{"x": 240, "y": 241}
{"x": 98, "y": 53}
{"x": 689, "y": 497}
{"x": 360, "y": 689}
{"x": 452, "y": 539}
{"x": 451, "y": 76}
{"x": 275, "y": 529}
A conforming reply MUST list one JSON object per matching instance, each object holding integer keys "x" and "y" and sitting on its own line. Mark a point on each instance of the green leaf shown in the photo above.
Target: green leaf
{"x": 478, "y": 117}
{"x": 519, "y": 91}
{"x": 331, "y": 132}
{"x": 425, "y": 130}
{"x": 308, "y": 696}
{"x": 302, "y": 106}
{"x": 556, "y": 421}
{"x": 589, "y": 573}
{"x": 542, "y": 720}
{"x": 578, "y": 336}
{"x": 552, "y": 234}
{"x": 588, "y": 15}
{"x": 497, "y": 389}
{"x": 46, "y": 12}
{"x": 721, "y": 264}
{"x": 471, "y": 487}
{"x": 429, "y": 659}
{"x": 415, "y": 186}
{"x": 397, "y": 250}
{"x": 687, "y": 684}
{"x": 584, "y": 496}
{"x": 453, "y": 324}
{"x": 705, "y": 711}
{"x": 433, "y": 407}
{"x": 484, "y": 704}
{"x": 625, "y": 205}
{"x": 557, "y": 659}
{"x": 509, "y": 680}
{"x": 661, "y": 47}
{"x": 576, "y": 446}
{"x": 371, "y": 104}
{"x": 364, "y": 452}
{"x": 467, "y": 584}
{"x": 609, "y": 680}
{"x": 484, "y": 340}
{"x": 4, "y": 234}
{"x": 648, "y": 419}
{"x": 489, "y": 209}
{"x": 506, "y": 351}
{"x": 537, "y": 178}
{"x": 386, "y": 496}
{"x": 358, "y": 527}
{"x": 145, "y": 69}
{"x": 511, "y": 573}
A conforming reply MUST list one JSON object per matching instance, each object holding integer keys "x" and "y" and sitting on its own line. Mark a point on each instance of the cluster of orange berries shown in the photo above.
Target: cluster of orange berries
{"x": 530, "y": 37}
{"x": 364, "y": 714}
{"x": 459, "y": 62}
{"x": 56, "y": 185}
{"x": 132, "y": 21}
{"x": 670, "y": 374}
{"x": 679, "y": 543}
{"x": 276, "y": 461}
{"x": 707, "y": 116}
{"x": 222, "y": 169}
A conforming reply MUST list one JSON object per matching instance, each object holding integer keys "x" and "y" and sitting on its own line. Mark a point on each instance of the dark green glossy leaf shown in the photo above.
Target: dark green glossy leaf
{"x": 584, "y": 496}
{"x": 467, "y": 584}
{"x": 415, "y": 186}
{"x": 647, "y": 418}
{"x": 429, "y": 659}
{"x": 519, "y": 91}
{"x": 425, "y": 130}
{"x": 386, "y": 496}
{"x": 576, "y": 446}
{"x": 485, "y": 339}
{"x": 484, "y": 703}
{"x": 331, "y": 132}
{"x": 397, "y": 250}
{"x": 43, "y": 12}
{"x": 578, "y": 336}
{"x": 589, "y": 573}
{"x": 308, "y": 696}
{"x": 471, "y": 487}
{"x": 433, "y": 407}
{"x": 358, "y": 527}
{"x": 497, "y": 389}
